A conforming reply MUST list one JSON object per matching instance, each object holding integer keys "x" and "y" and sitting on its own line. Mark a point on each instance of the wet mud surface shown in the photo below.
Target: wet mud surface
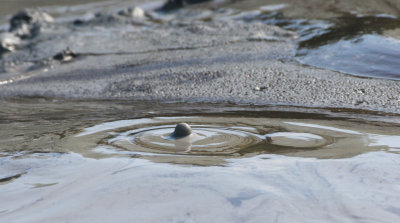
{"x": 298, "y": 116}
{"x": 71, "y": 161}
{"x": 122, "y": 128}
{"x": 206, "y": 53}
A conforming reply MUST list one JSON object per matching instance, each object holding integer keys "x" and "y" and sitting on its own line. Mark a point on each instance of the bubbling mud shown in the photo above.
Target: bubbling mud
{"x": 214, "y": 139}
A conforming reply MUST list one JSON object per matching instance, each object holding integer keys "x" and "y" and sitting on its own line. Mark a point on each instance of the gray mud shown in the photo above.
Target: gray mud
{"x": 323, "y": 9}
{"x": 193, "y": 54}
{"x": 74, "y": 161}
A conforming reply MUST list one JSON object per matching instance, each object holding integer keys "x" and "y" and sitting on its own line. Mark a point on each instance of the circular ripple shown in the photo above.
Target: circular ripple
{"x": 213, "y": 139}
{"x": 296, "y": 139}
{"x": 205, "y": 140}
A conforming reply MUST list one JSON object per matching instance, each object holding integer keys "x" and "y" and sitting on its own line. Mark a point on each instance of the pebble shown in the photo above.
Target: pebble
{"x": 65, "y": 55}
{"x": 134, "y": 12}
{"x": 27, "y": 23}
{"x": 8, "y": 42}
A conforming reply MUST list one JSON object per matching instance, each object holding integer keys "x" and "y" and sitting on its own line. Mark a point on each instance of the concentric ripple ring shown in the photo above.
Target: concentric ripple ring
{"x": 209, "y": 137}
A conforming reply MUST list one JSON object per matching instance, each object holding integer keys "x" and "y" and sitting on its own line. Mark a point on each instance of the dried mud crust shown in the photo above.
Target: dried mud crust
{"x": 181, "y": 56}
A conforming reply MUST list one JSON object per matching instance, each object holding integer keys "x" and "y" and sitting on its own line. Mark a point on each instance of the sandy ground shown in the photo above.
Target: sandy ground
{"x": 182, "y": 56}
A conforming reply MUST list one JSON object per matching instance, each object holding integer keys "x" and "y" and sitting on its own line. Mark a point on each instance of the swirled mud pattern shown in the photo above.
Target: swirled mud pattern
{"x": 215, "y": 139}
{"x": 87, "y": 161}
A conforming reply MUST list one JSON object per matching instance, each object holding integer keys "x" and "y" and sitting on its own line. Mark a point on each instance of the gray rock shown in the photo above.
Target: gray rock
{"x": 27, "y": 23}
{"x": 134, "y": 12}
{"x": 65, "y": 55}
{"x": 8, "y": 42}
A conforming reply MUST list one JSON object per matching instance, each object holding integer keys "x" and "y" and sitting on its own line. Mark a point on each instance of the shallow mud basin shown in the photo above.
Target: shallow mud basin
{"x": 116, "y": 161}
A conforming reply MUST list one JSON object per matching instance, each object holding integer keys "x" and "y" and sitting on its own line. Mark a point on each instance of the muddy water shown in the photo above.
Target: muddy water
{"x": 82, "y": 161}
{"x": 356, "y": 45}
{"x": 360, "y": 38}
{"x": 114, "y": 161}
{"x": 354, "y": 37}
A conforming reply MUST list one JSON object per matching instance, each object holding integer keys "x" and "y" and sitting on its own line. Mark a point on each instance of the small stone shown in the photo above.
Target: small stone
{"x": 8, "y": 42}
{"x": 84, "y": 20}
{"x": 361, "y": 91}
{"x": 182, "y": 130}
{"x": 27, "y": 23}
{"x": 134, "y": 12}
{"x": 65, "y": 55}
{"x": 359, "y": 102}
{"x": 257, "y": 88}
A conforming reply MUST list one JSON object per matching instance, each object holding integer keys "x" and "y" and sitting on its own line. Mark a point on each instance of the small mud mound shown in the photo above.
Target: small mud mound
{"x": 215, "y": 139}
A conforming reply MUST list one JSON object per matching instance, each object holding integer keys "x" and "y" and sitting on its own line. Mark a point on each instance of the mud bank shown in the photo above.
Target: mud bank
{"x": 193, "y": 54}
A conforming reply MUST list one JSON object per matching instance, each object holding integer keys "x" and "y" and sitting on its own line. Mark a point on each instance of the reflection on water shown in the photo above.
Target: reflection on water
{"x": 351, "y": 27}
{"x": 355, "y": 45}
{"x": 358, "y": 39}
{"x": 97, "y": 162}
{"x": 359, "y": 189}
{"x": 361, "y": 45}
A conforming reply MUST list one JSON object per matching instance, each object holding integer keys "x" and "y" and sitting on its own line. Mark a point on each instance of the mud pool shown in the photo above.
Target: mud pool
{"x": 108, "y": 161}
{"x": 361, "y": 41}
{"x": 284, "y": 128}
{"x": 252, "y": 52}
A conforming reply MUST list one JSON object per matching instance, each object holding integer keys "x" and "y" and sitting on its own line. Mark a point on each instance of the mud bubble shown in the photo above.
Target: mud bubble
{"x": 212, "y": 140}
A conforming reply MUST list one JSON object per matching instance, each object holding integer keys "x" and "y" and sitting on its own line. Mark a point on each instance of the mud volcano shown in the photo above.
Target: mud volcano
{"x": 213, "y": 139}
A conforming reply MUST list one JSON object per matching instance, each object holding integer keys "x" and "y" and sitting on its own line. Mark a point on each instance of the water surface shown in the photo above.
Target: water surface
{"x": 345, "y": 36}
{"x": 80, "y": 161}
{"x": 110, "y": 161}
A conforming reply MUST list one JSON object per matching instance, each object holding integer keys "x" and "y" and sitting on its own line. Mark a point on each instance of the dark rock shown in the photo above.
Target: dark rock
{"x": 27, "y": 23}
{"x": 85, "y": 19}
{"x": 78, "y": 22}
{"x": 65, "y": 55}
